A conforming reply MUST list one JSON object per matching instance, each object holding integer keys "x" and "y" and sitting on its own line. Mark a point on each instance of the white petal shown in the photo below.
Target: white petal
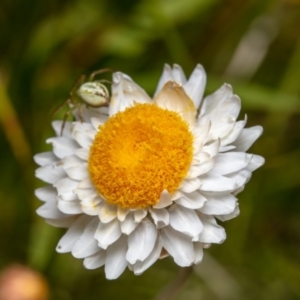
{"x": 230, "y": 216}
{"x": 160, "y": 217}
{"x": 46, "y": 193}
{"x": 81, "y": 127}
{"x": 230, "y": 162}
{"x": 190, "y": 185}
{"x": 83, "y": 139}
{"x": 50, "y": 173}
{"x": 173, "y": 97}
{"x": 108, "y": 213}
{"x": 86, "y": 245}
{"x": 255, "y": 162}
{"x": 139, "y": 267}
{"x": 212, "y": 232}
{"x": 198, "y": 248}
{"x": 82, "y": 153}
{"x": 107, "y": 234}
{"x": 128, "y": 225}
{"x": 185, "y": 220}
{"x": 179, "y": 246}
{"x": 125, "y": 93}
{"x": 91, "y": 206}
{"x": 62, "y": 146}
{"x": 178, "y": 75}
{"x": 69, "y": 207}
{"x": 78, "y": 172}
{"x": 215, "y": 183}
{"x": 65, "y": 188}
{"x": 247, "y": 137}
{"x": 200, "y": 169}
{"x": 69, "y": 239}
{"x": 65, "y": 222}
{"x": 166, "y": 76}
{"x": 116, "y": 263}
{"x": 139, "y": 215}
{"x": 212, "y": 147}
{"x": 219, "y": 204}
{"x": 49, "y": 210}
{"x": 122, "y": 213}
{"x": 85, "y": 184}
{"x": 95, "y": 261}
{"x": 196, "y": 85}
{"x": 57, "y": 126}
{"x": 234, "y": 133}
{"x": 71, "y": 161}
{"x": 192, "y": 200}
{"x": 84, "y": 194}
{"x": 164, "y": 201}
{"x": 240, "y": 178}
{"x": 45, "y": 158}
{"x": 141, "y": 242}
{"x": 96, "y": 122}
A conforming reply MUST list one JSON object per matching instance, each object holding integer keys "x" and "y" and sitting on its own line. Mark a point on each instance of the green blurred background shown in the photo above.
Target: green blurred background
{"x": 253, "y": 45}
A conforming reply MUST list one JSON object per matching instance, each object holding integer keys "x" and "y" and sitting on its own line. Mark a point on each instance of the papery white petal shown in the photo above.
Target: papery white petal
{"x": 49, "y": 210}
{"x": 95, "y": 261}
{"x": 108, "y": 213}
{"x": 179, "y": 246}
{"x": 62, "y": 146}
{"x": 46, "y": 193}
{"x": 197, "y": 170}
{"x": 78, "y": 172}
{"x": 190, "y": 185}
{"x": 255, "y": 162}
{"x": 140, "y": 266}
{"x": 164, "y": 201}
{"x": 71, "y": 161}
{"x": 230, "y": 162}
{"x": 65, "y": 188}
{"x": 216, "y": 183}
{"x": 195, "y": 86}
{"x": 219, "y": 204}
{"x": 96, "y": 122}
{"x": 86, "y": 245}
{"x": 125, "y": 93}
{"x": 192, "y": 200}
{"x": 83, "y": 139}
{"x": 166, "y": 76}
{"x": 185, "y": 220}
{"x": 141, "y": 242}
{"x": 57, "y": 126}
{"x": 65, "y": 222}
{"x": 69, "y": 239}
{"x": 85, "y": 184}
{"x": 160, "y": 217}
{"x": 69, "y": 207}
{"x": 178, "y": 75}
{"x": 139, "y": 215}
{"x": 234, "y": 133}
{"x": 122, "y": 213}
{"x": 198, "y": 248}
{"x": 115, "y": 262}
{"x": 230, "y": 216}
{"x": 212, "y": 232}
{"x": 82, "y": 153}
{"x": 50, "y": 173}
{"x": 128, "y": 225}
{"x": 45, "y": 158}
{"x": 247, "y": 137}
{"x": 107, "y": 233}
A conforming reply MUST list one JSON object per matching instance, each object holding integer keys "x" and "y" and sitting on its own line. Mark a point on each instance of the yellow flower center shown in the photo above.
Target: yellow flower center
{"x": 138, "y": 153}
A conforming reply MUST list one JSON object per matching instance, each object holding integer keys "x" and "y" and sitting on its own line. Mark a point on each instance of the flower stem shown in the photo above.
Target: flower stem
{"x": 172, "y": 290}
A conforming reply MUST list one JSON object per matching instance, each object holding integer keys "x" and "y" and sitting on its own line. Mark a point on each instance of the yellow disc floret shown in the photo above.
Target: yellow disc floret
{"x": 138, "y": 153}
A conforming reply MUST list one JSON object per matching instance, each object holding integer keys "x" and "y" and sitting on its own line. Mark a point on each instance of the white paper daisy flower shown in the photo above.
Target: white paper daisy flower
{"x": 146, "y": 178}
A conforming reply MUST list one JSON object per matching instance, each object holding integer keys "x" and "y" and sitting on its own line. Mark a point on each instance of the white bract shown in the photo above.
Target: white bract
{"x": 145, "y": 177}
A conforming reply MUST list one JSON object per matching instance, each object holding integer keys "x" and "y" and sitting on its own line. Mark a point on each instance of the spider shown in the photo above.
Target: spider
{"x": 90, "y": 92}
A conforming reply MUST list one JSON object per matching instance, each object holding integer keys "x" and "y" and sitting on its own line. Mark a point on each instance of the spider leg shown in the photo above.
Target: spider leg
{"x": 60, "y": 106}
{"x": 65, "y": 120}
{"x": 92, "y": 76}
